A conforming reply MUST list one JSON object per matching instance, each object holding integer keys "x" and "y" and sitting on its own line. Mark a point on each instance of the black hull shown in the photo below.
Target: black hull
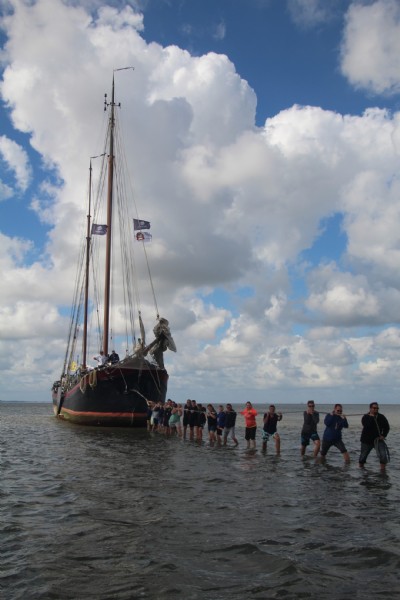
{"x": 112, "y": 397}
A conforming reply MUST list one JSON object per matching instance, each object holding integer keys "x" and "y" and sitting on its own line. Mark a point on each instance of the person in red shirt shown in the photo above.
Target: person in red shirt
{"x": 250, "y": 414}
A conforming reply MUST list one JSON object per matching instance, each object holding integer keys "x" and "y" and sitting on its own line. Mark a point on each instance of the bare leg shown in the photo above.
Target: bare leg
{"x": 317, "y": 445}
{"x": 277, "y": 444}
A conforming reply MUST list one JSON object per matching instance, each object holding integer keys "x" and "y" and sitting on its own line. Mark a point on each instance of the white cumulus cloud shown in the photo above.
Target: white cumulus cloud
{"x": 371, "y": 46}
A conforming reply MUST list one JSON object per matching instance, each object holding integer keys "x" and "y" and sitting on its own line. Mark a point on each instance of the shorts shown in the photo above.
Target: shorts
{"x": 305, "y": 439}
{"x": 154, "y": 420}
{"x": 220, "y": 430}
{"x": 229, "y": 431}
{"x": 337, "y": 443}
{"x": 266, "y": 436}
{"x": 212, "y": 428}
{"x": 250, "y": 433}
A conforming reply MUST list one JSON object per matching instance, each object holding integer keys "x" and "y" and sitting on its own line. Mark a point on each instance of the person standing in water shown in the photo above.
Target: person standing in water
{"x": 250, "y": 414}
{"x": 186, "y": 417}
{"x": 309, "y": 429}
{"x": 375, "y": 429}
{"x": 220, "y": 423}
{"x": 335, "y": 422}
{"x": 271, "y": 419}
{"x": 212, "y": 424}
{"x": 230, "y": 421}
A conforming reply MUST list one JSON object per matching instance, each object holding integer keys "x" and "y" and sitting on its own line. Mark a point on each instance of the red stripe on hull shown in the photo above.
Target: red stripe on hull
{"x": 116, "y": 415}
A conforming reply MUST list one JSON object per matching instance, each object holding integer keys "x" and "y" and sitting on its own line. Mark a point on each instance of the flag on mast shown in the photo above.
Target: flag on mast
{"x": 99, "y": 229}
{"x": 143, "y": 236}
{"x": 139, "y": 224}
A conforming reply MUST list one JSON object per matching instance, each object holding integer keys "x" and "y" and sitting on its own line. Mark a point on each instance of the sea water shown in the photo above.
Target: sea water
{"x": 90, "y": 513}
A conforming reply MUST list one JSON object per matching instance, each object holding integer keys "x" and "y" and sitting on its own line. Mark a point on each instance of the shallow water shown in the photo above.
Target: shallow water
{"x": 88, "y": 513}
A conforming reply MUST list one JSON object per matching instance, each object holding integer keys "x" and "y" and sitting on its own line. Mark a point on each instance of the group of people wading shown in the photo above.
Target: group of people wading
{"x": 172, "y": 418}
{"x": 191, "y": 419}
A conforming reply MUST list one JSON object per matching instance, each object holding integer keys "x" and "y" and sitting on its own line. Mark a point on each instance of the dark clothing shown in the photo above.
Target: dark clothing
{"x": 373, "y": 427}
{"x": 201, "y": 420}
{"x": 381, "y": 451}
{"x": 194, "y": 417}
{"x": 250, "y": 433}
{"x": 326, "y": 445}
{"x": 270, "y": 422}
{"x": 212, "y": 420}
{"x": 334, "y": 425}
{"x": 167, "y": 414}
{"x": 221, "y": 419}
{"x": 220, "y": 422}
{"x": 230, "y": 419}
{"x": 113, "y": 358}
{"x": 310, "y": 423}
{"x": 186, "y": 415}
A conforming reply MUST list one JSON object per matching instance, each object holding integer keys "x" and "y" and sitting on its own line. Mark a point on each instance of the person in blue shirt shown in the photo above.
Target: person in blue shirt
{"x": 335, "y": 422}
{"x": 220, "y": 423}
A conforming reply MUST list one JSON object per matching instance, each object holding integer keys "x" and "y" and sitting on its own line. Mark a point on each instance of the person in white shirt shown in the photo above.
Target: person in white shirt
{"x": 101, "y": 358}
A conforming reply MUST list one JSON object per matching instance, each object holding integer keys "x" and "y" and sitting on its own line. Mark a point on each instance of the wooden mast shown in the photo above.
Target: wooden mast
{"x": 85, "y": 316}
{"x": 109, "y": 224}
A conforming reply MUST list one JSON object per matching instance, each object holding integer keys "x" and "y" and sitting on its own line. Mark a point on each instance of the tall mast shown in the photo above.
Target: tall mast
{"x": 85, "y": 316}
{"x": 109, "y": 223}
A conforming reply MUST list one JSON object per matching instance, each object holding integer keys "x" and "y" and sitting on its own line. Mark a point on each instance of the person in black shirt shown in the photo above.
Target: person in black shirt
{"x": 271, "y": 419}
{"x": 211, "y": 423}
{"x": 375, "y": 429}
{"x": 186, "y": 416}
{"x": 309, "y": 429}
{"x": 113, "y": 358}
{"x": 193, "y": 419}
{"x": 230, "y": 421}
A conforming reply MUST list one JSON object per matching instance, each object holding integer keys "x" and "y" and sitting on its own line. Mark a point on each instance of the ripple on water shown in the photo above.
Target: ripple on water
{"x": 117, "y": 514}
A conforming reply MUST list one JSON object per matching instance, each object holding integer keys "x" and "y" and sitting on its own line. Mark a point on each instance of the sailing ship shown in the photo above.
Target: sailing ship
{"x": 117, "y": 392}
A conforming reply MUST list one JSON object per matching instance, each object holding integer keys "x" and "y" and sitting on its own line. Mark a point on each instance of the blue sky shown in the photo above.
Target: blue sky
{"x": 267, "y": 140}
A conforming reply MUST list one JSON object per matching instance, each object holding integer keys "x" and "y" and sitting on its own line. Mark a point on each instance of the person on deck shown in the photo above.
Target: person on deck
{"x": 113, "y": 358}
{"x": 335, "y": 422}
{"x": 101, "y": 358}
{"x": 375, "y": 429}
{"x": 309, "y": 429}
{"x": 250, "y": 414}
{"x": 271, "y": 419}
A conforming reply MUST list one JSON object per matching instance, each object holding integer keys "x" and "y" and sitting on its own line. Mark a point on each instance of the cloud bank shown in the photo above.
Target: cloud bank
{"x": 235, "y": 208}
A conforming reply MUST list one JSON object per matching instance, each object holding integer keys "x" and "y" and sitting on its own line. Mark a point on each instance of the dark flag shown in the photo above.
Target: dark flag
{"x": 143, "y": 236}
{"x": 99, "y": 229}
{"x": 138, "y": 224}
